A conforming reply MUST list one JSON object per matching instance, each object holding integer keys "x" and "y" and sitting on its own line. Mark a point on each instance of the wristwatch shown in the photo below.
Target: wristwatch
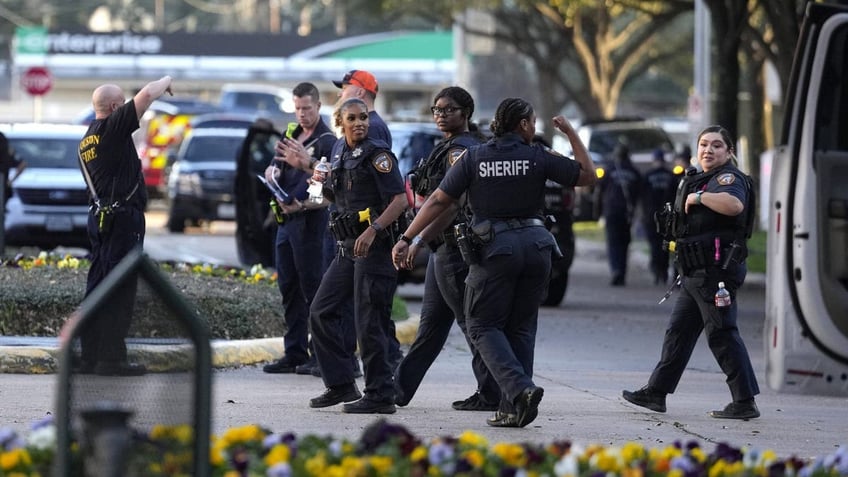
{"x": 406, "y": 239}
{"x": 698, "y": 196}
{"x": 417, "y": 240}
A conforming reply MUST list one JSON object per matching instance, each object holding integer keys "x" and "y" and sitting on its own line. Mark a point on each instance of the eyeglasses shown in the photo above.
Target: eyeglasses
{"x": 444, "y": 111}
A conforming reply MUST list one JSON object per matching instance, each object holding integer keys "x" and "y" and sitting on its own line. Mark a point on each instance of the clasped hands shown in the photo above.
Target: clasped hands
{"x": 403, "y": 255}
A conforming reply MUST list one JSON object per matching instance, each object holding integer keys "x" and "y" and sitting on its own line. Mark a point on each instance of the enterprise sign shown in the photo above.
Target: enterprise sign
{"x": 125, "y": 43}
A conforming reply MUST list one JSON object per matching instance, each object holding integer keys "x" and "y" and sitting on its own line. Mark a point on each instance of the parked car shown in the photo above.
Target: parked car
{"x": 271, "y": 102}
{"x": 161, "y": 130}
{"x": 223, "y": 120}
{"x": 49, "y": 202}
{"x": 641, "y": 136}
{"x": 201, "y": 177}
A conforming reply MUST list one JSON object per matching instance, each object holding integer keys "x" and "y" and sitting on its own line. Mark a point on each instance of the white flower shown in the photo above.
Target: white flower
{"x": 43, "y": 438}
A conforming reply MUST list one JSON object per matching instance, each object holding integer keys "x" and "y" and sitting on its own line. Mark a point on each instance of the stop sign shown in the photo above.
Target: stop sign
{"x": 37, "y": 81}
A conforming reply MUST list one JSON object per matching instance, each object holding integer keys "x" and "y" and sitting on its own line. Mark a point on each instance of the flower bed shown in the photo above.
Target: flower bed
{"x": 390, "y": 450}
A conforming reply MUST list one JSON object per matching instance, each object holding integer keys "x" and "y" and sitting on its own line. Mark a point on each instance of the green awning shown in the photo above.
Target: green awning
{"x": 427, "y": 46}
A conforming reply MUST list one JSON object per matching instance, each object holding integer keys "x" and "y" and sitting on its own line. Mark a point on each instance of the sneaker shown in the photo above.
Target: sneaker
{"x": 368, "y": 405}
{"x": 110, "y": 368}
{"x": 280, "y": 366}
{"x": 527, "y": 405}
{"x": 738, "y": 410}
{"x": 474, "y": 403}
{"x": 336, "y": 395}
{"x": 646, "y": 397}
{"x": 307, "y": 367}
{"x": 503, "y": 419}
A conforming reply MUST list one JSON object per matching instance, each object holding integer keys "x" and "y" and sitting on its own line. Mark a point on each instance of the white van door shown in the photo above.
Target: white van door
{"x": 807, "y": 259}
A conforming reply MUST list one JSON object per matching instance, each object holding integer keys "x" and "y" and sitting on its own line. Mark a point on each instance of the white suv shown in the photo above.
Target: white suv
{"x": 641, "y": 136}
{"x": 49, "y": 202}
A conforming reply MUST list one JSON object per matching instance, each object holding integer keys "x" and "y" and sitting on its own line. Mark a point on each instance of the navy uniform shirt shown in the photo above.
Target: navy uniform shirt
{"x": 505, "y": 177}
{"x": 658, "y": 188}
{"x": 702, "y": 219}
{"x": 620, "y": 189}
{"x": 365, "y": 176}
{"x": 377, "y": 128}
{"x": 109, "y": 154}
{"x": 319, "y": 143}
{"x": 431, "y": 170}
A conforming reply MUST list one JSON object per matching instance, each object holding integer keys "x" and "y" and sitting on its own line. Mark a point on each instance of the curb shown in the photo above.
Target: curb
{"x": 44, "y": 358}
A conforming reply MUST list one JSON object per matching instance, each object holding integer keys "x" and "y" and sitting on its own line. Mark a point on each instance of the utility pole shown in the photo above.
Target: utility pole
{"x": 700, "y": 110}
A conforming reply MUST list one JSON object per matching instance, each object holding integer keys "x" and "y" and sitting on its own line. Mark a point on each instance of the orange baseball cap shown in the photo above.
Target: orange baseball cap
{"x": 361, "y": 78}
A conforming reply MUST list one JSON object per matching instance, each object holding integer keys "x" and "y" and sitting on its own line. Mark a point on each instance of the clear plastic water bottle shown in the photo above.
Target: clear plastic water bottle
{"x": 318, "y": 177}
{"x": 722, "y": 296}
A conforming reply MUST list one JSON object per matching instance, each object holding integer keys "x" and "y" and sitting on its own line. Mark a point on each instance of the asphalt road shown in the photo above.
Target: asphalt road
{"x": 601, "y": 340}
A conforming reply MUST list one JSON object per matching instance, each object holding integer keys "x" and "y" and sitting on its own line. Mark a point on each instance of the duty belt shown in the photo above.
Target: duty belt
{"x": 502, "y": 225}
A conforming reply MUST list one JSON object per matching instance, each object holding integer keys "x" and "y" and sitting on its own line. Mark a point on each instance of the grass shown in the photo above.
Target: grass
{"x": 756, "y": 244}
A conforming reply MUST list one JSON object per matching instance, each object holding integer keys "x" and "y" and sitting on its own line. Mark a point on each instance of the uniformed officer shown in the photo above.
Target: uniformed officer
{"x": 658, "y": 188}
{"x": 713, "y": 217}
{"x": 116, "y": 224}
{"x": 619, "y": 191}
{"x": 367, "y": 188}
{"x": 510, "y": 252}
{"x": 444, "y": 282}
{"x": 300, "y": 233}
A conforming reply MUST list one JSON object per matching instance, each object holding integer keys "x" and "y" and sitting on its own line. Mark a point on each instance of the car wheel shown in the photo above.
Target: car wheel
{"x": 556, "y": 290}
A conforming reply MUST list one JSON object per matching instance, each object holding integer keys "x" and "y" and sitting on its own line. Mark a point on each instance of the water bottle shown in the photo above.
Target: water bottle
{"x": 722, "y": 296}
{"x": 318, "y": 177}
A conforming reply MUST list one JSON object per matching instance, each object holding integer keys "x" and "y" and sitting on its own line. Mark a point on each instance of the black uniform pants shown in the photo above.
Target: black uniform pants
{"x": 660, "y": 257}
{"x": 370, "y": 282}
{"x": 695, "y": 311}
{"x": 617, "y": 229}
{"x": 502, "y": 298}
{"x": 299, "y": 261}
{"x": 444, "y": 287}
{"x": 102, "y": 338}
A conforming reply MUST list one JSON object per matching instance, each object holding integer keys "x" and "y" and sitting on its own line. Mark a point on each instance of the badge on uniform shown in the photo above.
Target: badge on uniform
{"x": 311, "y": 151}
{"x": 455, "y": 155}
{"x": 726, "y": 179}
{"x": 356, "y": 152}
{"x": 383, "y": 163}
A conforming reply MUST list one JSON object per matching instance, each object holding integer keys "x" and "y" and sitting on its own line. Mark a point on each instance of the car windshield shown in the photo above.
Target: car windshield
{"x": 212, "y": 149}
{"x": 637, "y": 140}
{"x": 57, "y": 153}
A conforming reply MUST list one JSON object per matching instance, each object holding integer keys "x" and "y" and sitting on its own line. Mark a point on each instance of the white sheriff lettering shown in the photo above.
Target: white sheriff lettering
{"x": 504, "y": 168}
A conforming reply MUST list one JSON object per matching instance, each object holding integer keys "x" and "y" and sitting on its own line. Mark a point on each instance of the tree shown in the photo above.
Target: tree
{"x": 584, "y": 51}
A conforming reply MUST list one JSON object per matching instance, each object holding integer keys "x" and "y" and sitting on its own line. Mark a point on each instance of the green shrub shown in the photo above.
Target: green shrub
{"x": 38, "y": 299}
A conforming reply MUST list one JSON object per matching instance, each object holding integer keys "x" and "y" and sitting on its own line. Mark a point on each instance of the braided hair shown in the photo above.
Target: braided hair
{"x": 509, "y": 114}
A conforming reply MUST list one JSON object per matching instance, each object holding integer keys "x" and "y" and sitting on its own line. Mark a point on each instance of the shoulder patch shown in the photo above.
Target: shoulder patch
{"x": 726, "y": 179}
{"x": 455, "y": 154}
{"x": 383, "y": 163}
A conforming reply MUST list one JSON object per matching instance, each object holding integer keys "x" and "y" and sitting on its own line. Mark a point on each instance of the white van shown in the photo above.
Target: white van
{"x": 806, "y": 326}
